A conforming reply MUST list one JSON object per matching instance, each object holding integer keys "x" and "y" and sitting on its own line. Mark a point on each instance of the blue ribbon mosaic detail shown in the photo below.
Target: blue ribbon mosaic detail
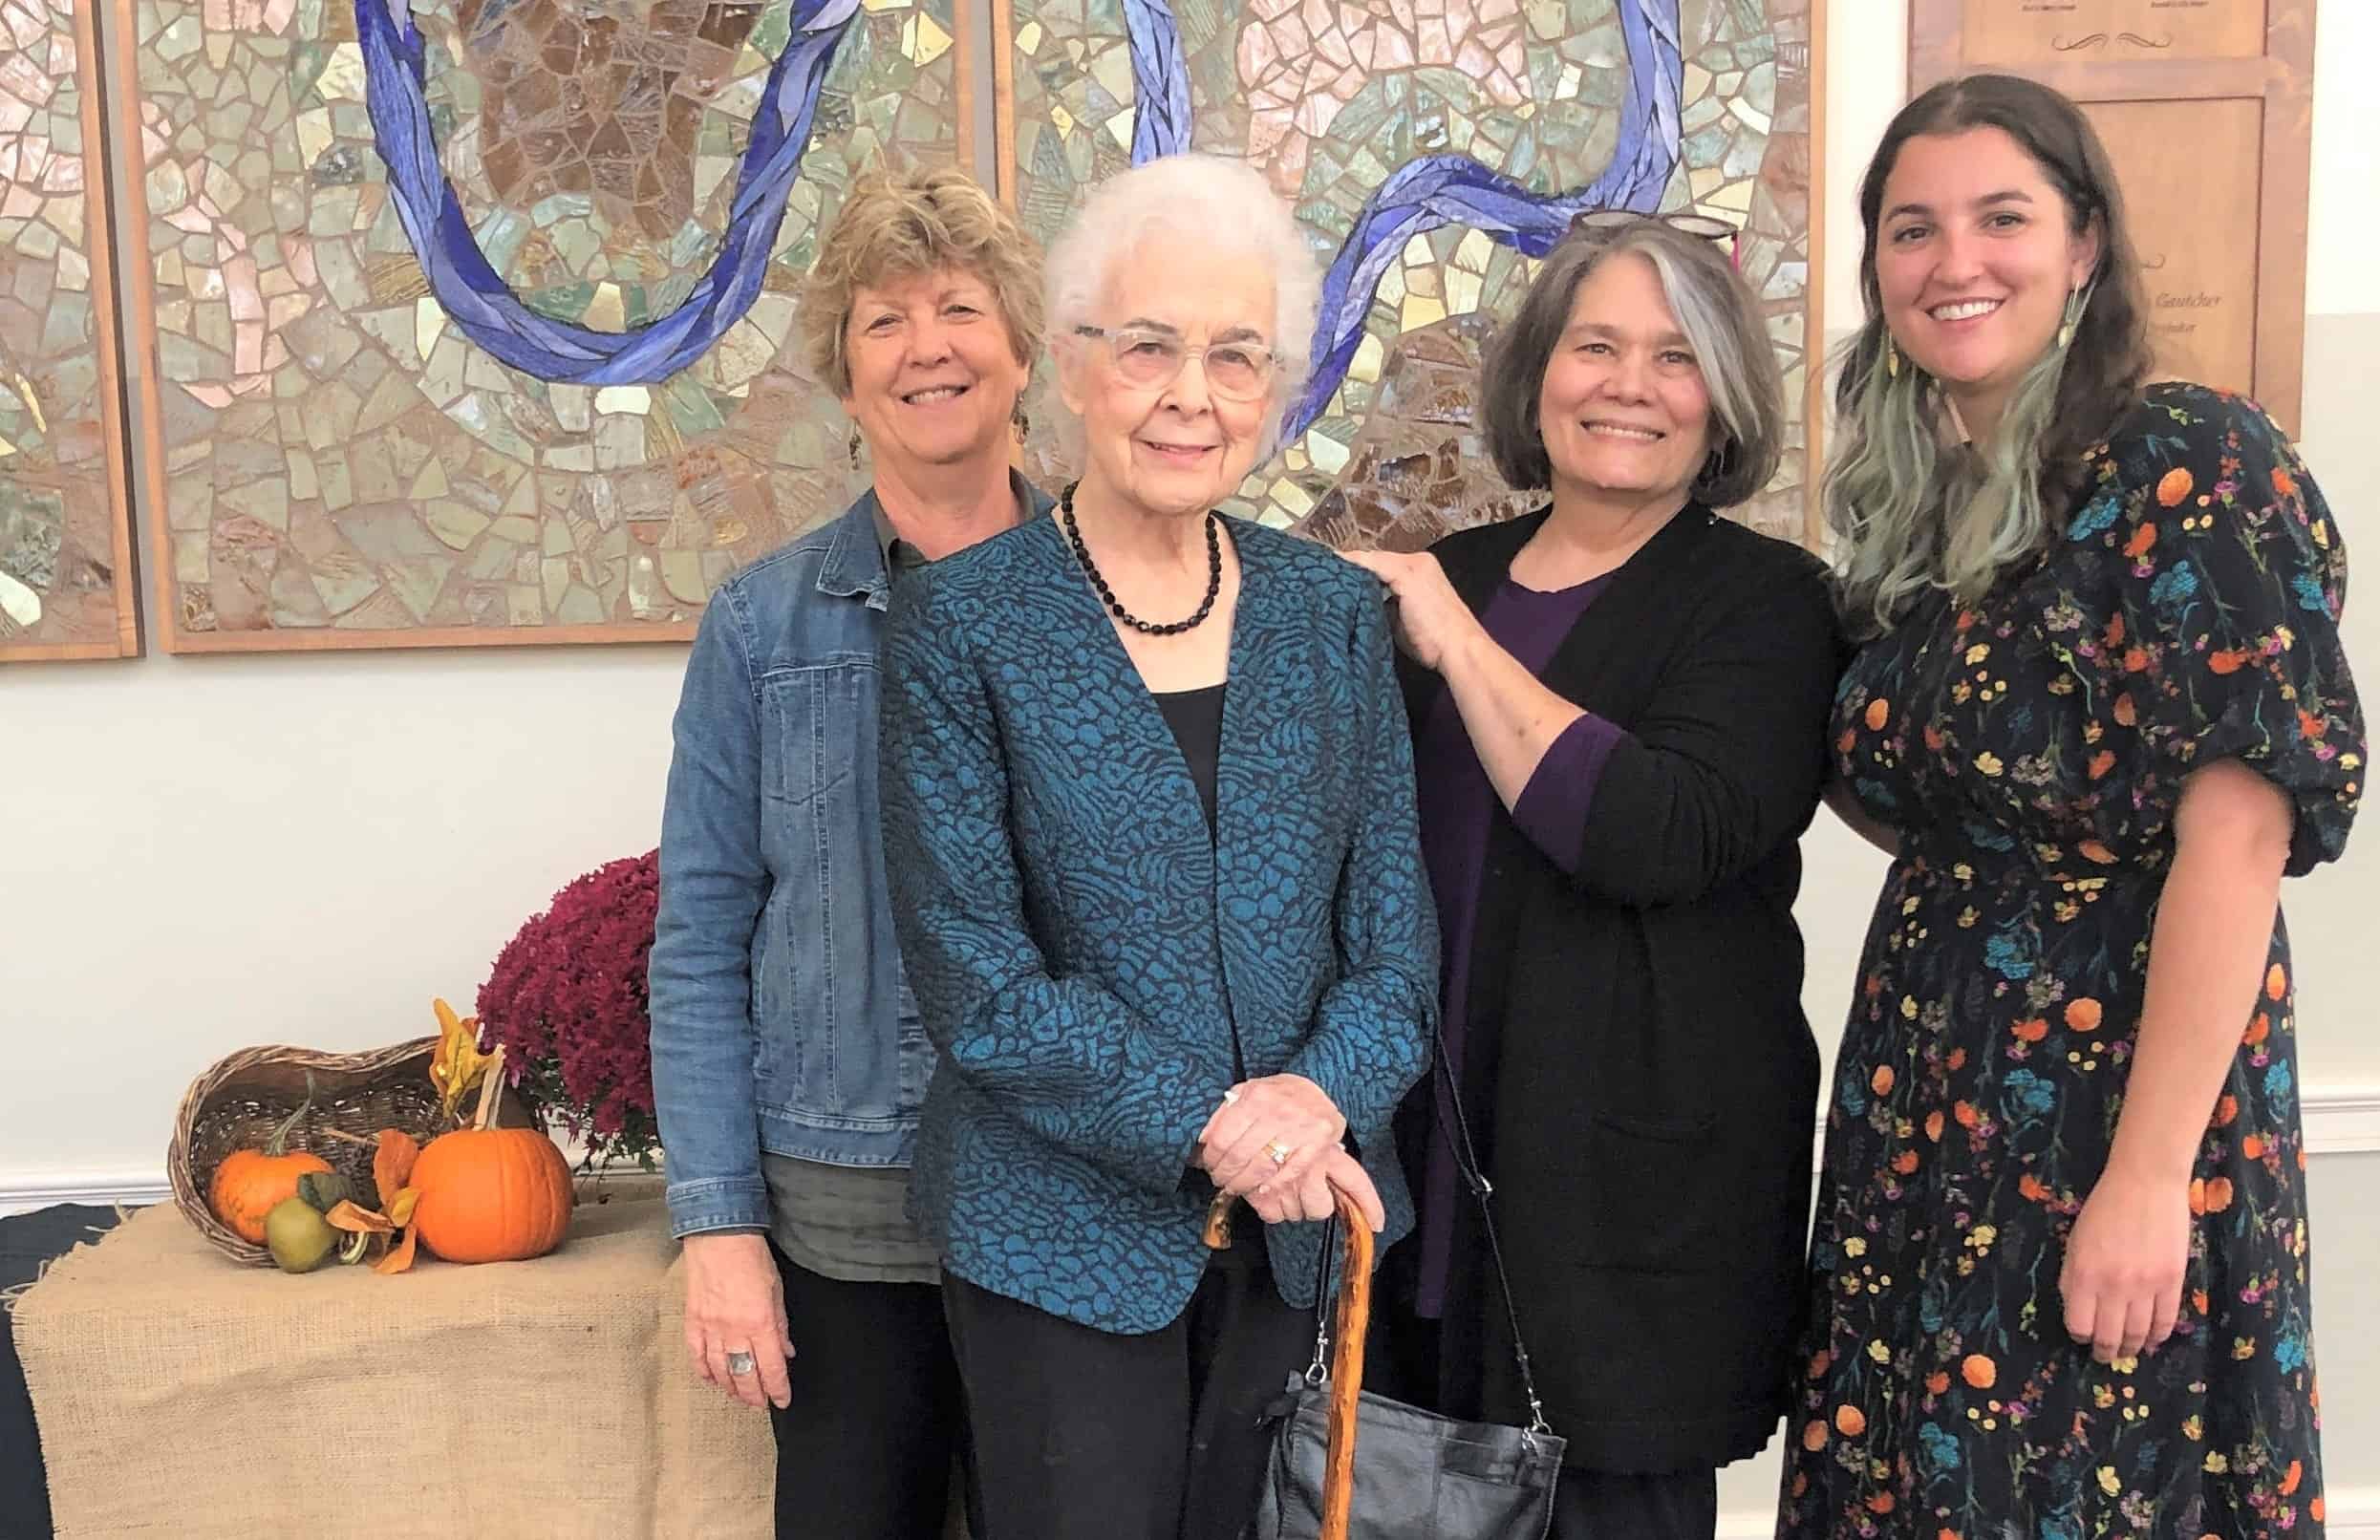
{"x": 479, "y": 301}
{"x": 1423, "y": 195}
{"x": 1438, "y": 190}
{"x": 1161, "y": 105}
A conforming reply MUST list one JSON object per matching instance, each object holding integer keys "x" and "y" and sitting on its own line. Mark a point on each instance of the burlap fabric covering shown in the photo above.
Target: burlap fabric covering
{"x": 180, "y": 1394}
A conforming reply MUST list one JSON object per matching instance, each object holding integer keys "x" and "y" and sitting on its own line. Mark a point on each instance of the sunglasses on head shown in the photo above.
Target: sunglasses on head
{"x": 1599, "y": 225}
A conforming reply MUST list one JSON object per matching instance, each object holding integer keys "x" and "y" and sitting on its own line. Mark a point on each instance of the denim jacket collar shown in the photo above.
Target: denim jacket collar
{"x": 858, "y": 563}
{"x": 854, "y": 567}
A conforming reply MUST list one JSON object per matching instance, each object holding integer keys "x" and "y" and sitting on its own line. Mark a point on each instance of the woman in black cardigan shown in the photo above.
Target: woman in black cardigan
{"x": 1620, "y": 706}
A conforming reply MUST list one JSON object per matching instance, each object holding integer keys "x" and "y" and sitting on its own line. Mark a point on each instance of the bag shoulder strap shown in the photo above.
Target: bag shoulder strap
{"x": 1467, "y": 1163}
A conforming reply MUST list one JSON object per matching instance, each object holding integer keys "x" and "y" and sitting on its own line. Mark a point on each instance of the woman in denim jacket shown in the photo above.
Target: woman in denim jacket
{"x": 1149, "y": 817}
{"x": 787, "y": 1061}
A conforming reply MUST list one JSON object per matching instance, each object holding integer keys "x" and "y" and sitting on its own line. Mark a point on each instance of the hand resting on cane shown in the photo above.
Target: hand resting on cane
{"x": 1277, "y": 1143}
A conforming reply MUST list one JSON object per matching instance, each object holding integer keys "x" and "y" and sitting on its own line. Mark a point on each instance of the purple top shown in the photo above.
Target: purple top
{"x": 1457, "y": 804}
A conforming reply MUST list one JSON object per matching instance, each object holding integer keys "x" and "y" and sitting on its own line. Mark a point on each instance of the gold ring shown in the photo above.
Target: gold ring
{"x": 1279, "y": 1152}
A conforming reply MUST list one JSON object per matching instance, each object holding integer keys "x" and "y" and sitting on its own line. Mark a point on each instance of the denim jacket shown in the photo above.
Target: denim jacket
{"x": 782, "y": 1023}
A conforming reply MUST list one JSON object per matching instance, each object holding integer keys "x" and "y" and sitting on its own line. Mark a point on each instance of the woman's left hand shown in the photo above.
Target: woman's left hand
{"x": 1264, "y": 1117}
{"x": 1432, "y": 618}
{"x": 2125, "y": 1263}
{"x": 1278, "y": 1204}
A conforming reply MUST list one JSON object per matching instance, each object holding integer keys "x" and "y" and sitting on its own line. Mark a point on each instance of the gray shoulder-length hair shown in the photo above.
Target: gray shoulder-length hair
{"x": 1721, "y": 321}
{"x": 1226, "y": 210}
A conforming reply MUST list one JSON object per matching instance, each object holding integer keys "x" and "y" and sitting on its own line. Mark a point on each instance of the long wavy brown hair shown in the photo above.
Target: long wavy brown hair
{"x": 1894, "y": 493}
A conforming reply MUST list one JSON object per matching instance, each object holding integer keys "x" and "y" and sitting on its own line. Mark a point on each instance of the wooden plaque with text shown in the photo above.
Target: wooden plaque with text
{"x": 2206, "y": 107}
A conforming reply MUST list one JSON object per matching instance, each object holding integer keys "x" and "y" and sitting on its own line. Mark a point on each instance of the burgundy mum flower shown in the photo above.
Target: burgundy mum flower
{"x": 567, "y": 1000}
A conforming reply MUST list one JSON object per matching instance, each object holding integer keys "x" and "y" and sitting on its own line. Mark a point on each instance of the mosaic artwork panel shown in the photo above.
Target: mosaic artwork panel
{"x": 1434, "y": 150}
{"x": 66, "y": 583}
{"x": 474, "y": 320}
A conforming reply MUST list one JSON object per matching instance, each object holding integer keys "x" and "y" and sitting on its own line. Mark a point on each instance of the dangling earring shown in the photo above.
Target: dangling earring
{"x": 1892, "y": 357}
{"x": 1021, "y": 421}
{"x": 2075, "y": 300}
{"x": 855, "y": 446}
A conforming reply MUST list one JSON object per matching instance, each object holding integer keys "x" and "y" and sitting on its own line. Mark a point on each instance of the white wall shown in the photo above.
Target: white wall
{"x": 200, "y": 854}
{"x": 235, "y": 850}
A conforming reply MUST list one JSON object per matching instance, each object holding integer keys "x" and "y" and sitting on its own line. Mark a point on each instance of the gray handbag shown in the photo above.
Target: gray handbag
{"x": 1348, "y": 1465}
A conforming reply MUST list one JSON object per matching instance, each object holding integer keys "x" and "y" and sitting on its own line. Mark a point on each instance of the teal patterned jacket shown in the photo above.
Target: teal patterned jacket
{"x": 1081, "y": 951}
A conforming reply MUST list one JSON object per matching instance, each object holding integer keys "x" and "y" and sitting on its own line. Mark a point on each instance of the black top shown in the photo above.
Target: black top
{"x": 1648, "y": 1111}
{"x": 1196, "y": 717}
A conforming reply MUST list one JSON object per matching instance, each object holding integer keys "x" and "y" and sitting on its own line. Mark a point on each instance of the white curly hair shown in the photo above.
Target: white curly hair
{"x": 1222, "y": 205}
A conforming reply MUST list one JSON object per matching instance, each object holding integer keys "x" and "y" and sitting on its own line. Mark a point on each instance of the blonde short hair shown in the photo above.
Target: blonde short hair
{"x": 900, "y": 223}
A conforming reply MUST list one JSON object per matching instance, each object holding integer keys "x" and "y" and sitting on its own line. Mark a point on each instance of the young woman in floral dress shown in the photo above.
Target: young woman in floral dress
{"x": 2059, "y": 1272}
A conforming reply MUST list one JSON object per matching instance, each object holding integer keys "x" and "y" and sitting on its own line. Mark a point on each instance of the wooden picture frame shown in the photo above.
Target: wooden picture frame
{"x": 802, "y": 485}
{"x": 97, "y": 460}
{"x": 2207, "y": 111}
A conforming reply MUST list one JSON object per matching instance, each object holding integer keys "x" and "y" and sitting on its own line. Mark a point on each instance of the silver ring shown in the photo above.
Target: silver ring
{"x": 739, "y": 1364}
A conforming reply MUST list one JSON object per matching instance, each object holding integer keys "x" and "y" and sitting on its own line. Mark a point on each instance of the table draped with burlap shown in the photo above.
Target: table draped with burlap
{"x": 181, "y": 1394}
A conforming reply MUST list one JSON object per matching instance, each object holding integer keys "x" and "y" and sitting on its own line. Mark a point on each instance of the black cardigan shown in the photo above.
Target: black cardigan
{"x": 1648, "y": 1085}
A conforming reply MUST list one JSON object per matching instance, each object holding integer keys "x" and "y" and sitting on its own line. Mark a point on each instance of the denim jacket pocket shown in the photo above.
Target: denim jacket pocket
{"x": 816, "y": 719}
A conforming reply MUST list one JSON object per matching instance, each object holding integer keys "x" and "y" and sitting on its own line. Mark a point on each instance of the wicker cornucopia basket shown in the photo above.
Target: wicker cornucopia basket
{"x": 237, "y": 1104}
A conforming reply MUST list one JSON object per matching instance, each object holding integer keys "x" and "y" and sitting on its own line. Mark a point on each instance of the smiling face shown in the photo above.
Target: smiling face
{"x": 934, "y": 376}
{"x": 1623, "y": 409}
{"x": 1176, "y": 447}
{"x": 1975, "y": 256}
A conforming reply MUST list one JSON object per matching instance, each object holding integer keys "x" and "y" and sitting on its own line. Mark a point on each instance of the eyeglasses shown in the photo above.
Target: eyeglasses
{"x": 1150, "y": 358}
{"x": 1600, "y": 225}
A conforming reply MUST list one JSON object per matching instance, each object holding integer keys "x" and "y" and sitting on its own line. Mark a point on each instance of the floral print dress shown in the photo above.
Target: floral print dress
{"x": 2029, "y": 751}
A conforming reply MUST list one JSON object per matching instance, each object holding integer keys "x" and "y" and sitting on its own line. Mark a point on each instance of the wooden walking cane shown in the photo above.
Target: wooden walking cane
{"x": 1352, "y": 1319}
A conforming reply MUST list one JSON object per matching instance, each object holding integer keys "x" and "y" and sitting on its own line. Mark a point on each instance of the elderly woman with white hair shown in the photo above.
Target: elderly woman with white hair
{"x": 1149, "y": 824}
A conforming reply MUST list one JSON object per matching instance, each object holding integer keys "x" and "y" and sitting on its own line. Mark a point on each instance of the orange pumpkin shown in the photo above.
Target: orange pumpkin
{"x": 491, "y": 1195}
{"x": 250, "y": 1182}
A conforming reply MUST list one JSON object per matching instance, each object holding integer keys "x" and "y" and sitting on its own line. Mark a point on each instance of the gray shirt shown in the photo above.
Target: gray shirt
{"x": 846, "y": 1222}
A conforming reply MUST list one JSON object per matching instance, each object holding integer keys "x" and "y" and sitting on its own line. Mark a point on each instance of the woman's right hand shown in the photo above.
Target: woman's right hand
{"x": 736, "y": 1303}
{"x": 1432, "y": 622}
{"x": 1269, "y": 1131}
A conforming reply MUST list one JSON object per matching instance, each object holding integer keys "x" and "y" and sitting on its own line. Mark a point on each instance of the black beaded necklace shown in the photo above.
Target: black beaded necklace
{"x": 1108, "y": 595}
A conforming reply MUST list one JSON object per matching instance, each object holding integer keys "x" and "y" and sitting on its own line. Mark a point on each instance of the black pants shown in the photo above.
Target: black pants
{"x": 865, "y": 1445}
{"x": 1087, "y": 1435}
{"x": 1599, "y": 1504}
